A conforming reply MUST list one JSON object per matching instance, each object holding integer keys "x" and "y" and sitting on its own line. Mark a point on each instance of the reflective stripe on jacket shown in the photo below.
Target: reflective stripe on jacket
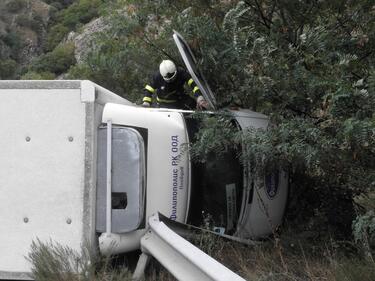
{"x": 170, "y": 92}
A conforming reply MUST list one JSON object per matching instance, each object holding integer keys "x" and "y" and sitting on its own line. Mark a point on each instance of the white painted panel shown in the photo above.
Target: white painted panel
{"x": 168, "y": 183}
{"x": 42, "y": 145}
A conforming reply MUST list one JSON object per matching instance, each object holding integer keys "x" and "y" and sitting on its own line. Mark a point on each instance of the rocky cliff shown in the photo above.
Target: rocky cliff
{"x": 26, "y": 22}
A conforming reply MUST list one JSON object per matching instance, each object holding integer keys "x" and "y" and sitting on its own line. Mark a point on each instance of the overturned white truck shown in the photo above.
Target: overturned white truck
{"x": 79, "y": 163}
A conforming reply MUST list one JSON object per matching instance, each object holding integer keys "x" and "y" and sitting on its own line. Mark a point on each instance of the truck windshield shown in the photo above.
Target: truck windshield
{"x": 127, "y": 179}
{"x": 217, "y": 188}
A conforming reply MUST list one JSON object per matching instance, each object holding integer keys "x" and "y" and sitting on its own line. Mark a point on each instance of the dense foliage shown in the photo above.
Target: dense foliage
{"x": 65, "y": 20}
{"x": 24, "y": 23}
{"x": 10, "y": 46}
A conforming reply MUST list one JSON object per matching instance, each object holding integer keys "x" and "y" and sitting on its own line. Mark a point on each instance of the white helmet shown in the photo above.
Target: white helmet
{"x": 168, "y": 70}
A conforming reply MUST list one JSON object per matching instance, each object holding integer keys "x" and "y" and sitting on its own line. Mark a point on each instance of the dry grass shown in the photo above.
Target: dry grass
{"x": 298, "y": 263}
{"x": 288, "y": 260}
{"x": 54, "y": 262}
{"x": 293, "y": 258}
{"x": 155, "y": 272}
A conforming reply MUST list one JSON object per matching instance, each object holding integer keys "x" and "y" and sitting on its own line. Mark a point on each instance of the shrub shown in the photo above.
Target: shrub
{"x": 80, "y": 12}
{"x": 62, "y": 3}
{"x": 55, "y": 35}
{"x": 53, "y": 261}
{"x": 4, "y": 50}
{"x": 57, "y": 61}
{"x": 111, "y": 64}
{"x": 14, "y": 6}
{"x": 14, "y": 42}
{"x": 53, "y": 11}
{"x": 8, "y": 69}
{"x": 32, "y": 75}
{"x": 26, "y": 21}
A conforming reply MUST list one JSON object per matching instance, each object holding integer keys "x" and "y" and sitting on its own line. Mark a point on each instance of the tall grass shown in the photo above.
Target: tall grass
{"x": 52, "y": 261}
{"x": 290, "y": 260}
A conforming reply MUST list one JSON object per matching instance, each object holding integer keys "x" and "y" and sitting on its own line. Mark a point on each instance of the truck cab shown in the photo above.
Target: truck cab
{"x": 222, "y": 190}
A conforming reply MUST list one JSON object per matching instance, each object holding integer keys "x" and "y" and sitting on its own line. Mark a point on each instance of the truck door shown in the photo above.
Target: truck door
{"x": 191, "y": 64}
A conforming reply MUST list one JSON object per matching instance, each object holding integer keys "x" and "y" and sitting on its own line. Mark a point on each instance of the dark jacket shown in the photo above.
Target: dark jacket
{"x": 170, "y": 94}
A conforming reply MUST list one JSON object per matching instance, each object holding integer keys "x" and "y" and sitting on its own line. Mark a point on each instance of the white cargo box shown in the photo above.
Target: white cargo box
{"x": 47, "y": 166}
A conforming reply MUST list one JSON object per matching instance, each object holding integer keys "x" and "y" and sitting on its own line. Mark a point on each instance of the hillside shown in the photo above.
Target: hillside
{"x": 22, "y": 32}
{"x": 34, "y": 36}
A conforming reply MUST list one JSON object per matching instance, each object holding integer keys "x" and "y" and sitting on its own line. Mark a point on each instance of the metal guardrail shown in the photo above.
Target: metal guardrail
{"x": 182, "y": 259}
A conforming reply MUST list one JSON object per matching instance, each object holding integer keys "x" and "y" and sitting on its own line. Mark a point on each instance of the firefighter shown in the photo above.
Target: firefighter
{"x": 168, "y": 88}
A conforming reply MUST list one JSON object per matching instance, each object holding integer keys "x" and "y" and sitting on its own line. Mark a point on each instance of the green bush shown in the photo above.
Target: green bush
{"x": 111, "y": 64}
{"x": 27, "y": 21}
{"x": 4, "y": 50}
{"x": 14, "y": 6}
{"x": 55, "y": 35}
{"x": 14, "y": 42}
{"x": 58, "y": 61}
{"x": 8, "y": 69}
{"x": 32, "y": 75}
{"x": 81, "y": 11}
{"x": 69, "y": 19}
{"x": 53, "y": 11}
{"x": 62, "y": 3}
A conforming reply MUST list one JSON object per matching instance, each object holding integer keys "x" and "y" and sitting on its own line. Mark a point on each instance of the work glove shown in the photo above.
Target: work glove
{"x": 201, "y": 103}
{"x": 146, "y": 104}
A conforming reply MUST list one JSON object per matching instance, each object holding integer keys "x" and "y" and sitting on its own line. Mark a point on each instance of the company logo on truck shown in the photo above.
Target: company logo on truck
{"x": 178, "y": 174}
{"x": 272, "y": 184}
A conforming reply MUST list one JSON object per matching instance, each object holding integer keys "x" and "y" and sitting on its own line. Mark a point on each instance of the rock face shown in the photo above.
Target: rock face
{"x": 16, "y": 20}
{"x": 19, "y": 21}
{"x": 33, "y": 46}
{"x": 83, "y": 41}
